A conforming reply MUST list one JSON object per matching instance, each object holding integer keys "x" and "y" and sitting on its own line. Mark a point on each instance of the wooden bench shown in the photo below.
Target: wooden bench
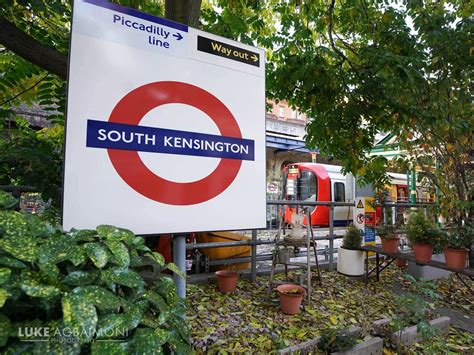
{"x": 391, "y": 257}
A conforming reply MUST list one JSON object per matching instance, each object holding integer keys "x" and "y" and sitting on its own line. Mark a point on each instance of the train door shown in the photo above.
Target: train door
{"x": 342, "y": 214}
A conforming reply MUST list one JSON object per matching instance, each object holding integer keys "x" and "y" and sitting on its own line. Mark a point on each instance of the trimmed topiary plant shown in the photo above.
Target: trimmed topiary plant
{"x": 350, "y": 260}
{"x": 83, "y": 292}
{"x": 352, "y": 239}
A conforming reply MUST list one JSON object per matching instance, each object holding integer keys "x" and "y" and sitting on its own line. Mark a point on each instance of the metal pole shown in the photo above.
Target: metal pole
{"x": 413, "y": 186}
{"x": 179, "y": 258}
{"x": 254, "y": 255}
{"x": 308, "y": 251}
{"x": 331, "y": 238}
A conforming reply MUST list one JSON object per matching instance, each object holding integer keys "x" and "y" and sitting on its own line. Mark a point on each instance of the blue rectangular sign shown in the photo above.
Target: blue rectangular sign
{"x": 109, "y": 135}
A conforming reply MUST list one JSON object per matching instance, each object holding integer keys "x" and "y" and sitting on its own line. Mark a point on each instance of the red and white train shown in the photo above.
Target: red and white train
{"x": 320, "y": 182}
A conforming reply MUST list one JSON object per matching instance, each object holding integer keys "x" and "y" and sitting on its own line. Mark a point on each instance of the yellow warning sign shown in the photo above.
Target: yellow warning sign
{"x": 369, "y": 204}
{"x": 360, "y": 204}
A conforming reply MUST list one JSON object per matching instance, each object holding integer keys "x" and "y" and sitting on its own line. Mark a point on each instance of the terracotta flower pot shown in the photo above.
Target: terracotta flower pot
{"x": 290, "y": 301}
{"x": 401, "y": 263}
{"x": 390, "y": 245}
{"x": 227, "y": 280}
{"x": 423, "y": 252}
{"x": 455, "y": 258}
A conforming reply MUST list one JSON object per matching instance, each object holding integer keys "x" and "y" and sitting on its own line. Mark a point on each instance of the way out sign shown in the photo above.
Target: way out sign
{"x": 165, "y": 125}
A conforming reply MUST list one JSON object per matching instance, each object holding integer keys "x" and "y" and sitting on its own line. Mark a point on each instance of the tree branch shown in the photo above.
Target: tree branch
{"x": 32, "y": 50}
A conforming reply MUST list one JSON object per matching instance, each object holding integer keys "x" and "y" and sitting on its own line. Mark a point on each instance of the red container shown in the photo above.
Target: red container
{"x": 455, "y": 258}
{"x": 401, "y": 263}
{"x": 423, "y": 252}
{"x": 227, "y": 280}
{"x": 390, "y": 245}
{"x": 290, "y": 302}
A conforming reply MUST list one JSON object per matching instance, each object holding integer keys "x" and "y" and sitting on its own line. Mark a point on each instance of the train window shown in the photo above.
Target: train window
{"x": 307, "y": 186}
{"x": 339, "y": 192}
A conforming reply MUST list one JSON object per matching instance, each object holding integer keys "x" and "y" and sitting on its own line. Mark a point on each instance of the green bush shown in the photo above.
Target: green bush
{"x": 387, "y": 232}
{"x": 85, "y": 288}
{"x": 352, "y": 239}
{"x": 461, "y": 239}
{"x": 420, "y": 230}
{"x": 333, "y": 340}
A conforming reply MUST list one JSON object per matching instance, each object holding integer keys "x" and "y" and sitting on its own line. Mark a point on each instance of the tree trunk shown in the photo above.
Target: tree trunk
{"x": 183, "y": 11}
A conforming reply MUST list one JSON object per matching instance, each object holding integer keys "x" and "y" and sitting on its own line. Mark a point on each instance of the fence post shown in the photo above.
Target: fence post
{"x": 179, "y": 258}
{"x": 331, "y": 237}
{"x": 254, "y": 255}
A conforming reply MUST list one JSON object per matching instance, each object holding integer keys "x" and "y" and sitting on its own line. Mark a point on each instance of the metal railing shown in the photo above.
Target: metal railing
{"x": 328, "y": 252}
{"x": 253, "y": 243}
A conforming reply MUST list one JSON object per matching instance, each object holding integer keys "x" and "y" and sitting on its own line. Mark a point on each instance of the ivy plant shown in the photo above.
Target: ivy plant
{"x": 83, "y": 291}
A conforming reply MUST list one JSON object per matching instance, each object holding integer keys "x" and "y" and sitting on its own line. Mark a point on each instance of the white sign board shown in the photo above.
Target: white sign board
{"x": 165, "y": 125}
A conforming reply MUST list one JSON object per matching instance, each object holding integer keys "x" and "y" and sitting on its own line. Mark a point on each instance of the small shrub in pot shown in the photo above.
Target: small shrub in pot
{"x": 387, "y": 234}
{"x": 422, "y": 235}
{"x": 352, "y": 239}
{"x": 350, "y": 260}
{"x": 457, "y": 244}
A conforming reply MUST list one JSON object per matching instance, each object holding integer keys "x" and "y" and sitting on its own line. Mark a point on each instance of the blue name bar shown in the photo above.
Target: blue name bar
{"x": 135, "y": 13}
{"x": 107, "y": 135}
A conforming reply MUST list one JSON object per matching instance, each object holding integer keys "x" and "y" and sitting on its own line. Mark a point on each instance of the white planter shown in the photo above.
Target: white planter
{"x": 350, "y": 262}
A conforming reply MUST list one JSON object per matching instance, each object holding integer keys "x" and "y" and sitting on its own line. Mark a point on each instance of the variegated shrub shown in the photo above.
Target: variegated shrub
{"x": 83, "y": 291}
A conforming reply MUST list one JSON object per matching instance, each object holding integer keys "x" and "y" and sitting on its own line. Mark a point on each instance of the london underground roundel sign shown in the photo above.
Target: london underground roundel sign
{"x": 165, "y": 129}
{"x": 131, "y": 109}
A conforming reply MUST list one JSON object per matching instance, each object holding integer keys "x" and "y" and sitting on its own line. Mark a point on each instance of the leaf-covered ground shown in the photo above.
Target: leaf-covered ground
{"x": 247, "y": 322}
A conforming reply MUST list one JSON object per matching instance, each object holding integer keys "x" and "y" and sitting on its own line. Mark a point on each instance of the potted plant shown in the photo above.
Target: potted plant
{"x": 389, "y": 238}
{"x": 350, "y": 260}
{"x": 457, "y": 245}
{"x": 290, "y": 298}
{"x": 422, "y": 234}
{"x": 227, "y": 280}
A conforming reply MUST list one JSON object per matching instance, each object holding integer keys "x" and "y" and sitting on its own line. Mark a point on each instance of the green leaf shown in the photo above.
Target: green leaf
{"x": 157, "y": 300}
{"x": 177, "y": 343}
{"x": 5, "y": 327}
{"x": 78, "y": 255}
{"x": 3, "y": 296}
{"x": 173, "y": 267}
{"x": 85, "y": 235}
{"x": 23, "y": 247}
{"x": 181, "y": 324}
{"x": 116, "y": 234}
{"x": 11, "y": 262}
{"x": 98, "y": 296}
{"x": 80, "y": 278}
{"x": 55, "y": 250}
{"x": 98, "y": 254}
{"x": 109, "y": 347}
{"x": 157, "y": 257}
{"x": 50, "y": 272}
{"x": 166, "y": 287}
{"x": 112, "y": 326}
{"x": 4, "y": 274}
{"x": 120, "y": 252}
{"x": 7, "y": 201}
{"x": 123, "y": 277}
{"x": 80, "y": 316}
{"x": 148, "y": 341}
{"x": 36, "y": 286}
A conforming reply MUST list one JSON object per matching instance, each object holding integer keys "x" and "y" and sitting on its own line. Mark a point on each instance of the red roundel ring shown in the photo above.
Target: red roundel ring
{"x": 131, "y": 109}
